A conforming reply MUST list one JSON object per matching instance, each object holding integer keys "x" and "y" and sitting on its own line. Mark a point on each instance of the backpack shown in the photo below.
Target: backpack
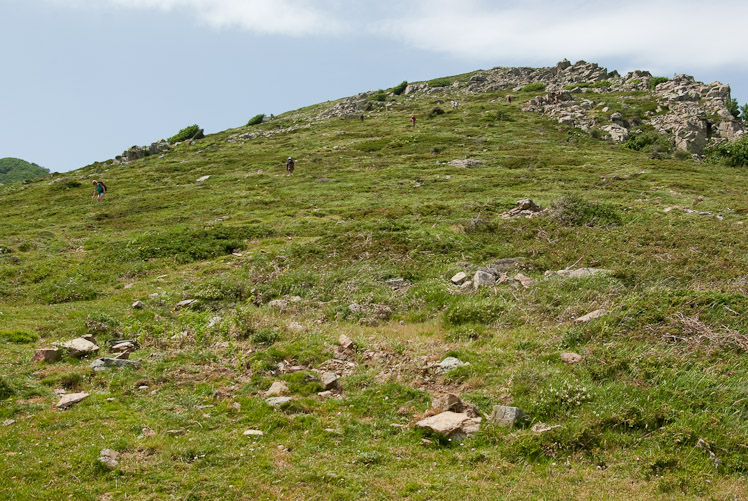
{"x": 103, "y": 186}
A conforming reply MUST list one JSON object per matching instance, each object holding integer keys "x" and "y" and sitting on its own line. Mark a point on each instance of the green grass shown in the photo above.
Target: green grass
{"x": 369, "y": 202}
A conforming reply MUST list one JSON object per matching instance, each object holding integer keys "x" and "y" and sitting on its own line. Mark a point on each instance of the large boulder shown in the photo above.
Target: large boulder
{"x": 451, "y": 425}
{"x": 80, "y": 347}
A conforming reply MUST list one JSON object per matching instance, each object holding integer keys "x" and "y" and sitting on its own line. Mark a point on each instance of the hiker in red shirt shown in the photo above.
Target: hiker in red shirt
{"x": 413, "y": 120}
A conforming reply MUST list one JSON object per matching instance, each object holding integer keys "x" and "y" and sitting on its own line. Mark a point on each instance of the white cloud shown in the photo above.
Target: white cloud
{"x": 661, "y": 35}
{"x": 654, "y": 33}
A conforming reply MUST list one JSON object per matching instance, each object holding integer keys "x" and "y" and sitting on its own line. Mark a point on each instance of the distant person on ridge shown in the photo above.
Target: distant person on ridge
{"x": 290, "y": 165}
{"x": 413, "y": 120}
{"x": 362, "y": 117}
{"x": 99, "y": 191}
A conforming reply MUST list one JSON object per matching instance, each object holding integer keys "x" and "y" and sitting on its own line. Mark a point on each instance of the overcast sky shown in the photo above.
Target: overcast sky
{"x": 83, "y": 80}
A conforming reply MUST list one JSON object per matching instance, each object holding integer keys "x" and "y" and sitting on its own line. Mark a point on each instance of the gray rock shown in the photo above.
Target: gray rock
{"x": 106, "y": 363}
{"x": 346, "y": 342}
{"x": 591, "y": 316}
{"x": 277, "y": 388}
{"x": 450, "y": 363}
{"x": 9, "y": 422}
{"x": 124, "y": 347}
{"x": 465, "y": 163}
{"x": 459, "y": 278}
{"x": 49, "y": 355}
{"x": 277, "y": 401}
{"x": 508, "y": 416}
{"x": 330, "y": 380}
{"x": 571, "y": 358}
{"x": 186, "y": 302}
{"x": 70, "y": 399}
{"x": 138, "y": 305}
{"x": 397, "y": 283}
{"x": 456, "y": 426}
{"x": 581, "y": 272}
{"x": 109, "y": 458}
{"x": 451, "y": 402}
{"x": 201, "y": 179}
{"x": 80, "y": 347}
{"x": 253, "y": 433}
{"x": 483, "y": 279}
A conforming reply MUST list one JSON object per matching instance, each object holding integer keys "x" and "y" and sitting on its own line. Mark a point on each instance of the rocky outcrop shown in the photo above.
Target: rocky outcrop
{"x": 138, "y": 152}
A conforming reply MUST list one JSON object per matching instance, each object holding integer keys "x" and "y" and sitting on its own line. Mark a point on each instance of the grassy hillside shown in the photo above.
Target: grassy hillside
{"x": 15, "y": 169}
{"x": 657, "y": 407}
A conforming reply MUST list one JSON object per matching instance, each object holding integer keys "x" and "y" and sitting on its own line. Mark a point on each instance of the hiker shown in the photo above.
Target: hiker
{"x": 509, "y": 98}
{"x": 290, "y": 165}
{"x": 99, "y": 191}
{"x": 413, "y": 120}
{"x": 362, "y": 117}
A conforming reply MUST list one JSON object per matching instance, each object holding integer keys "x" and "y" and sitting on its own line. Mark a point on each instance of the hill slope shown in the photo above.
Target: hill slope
{"x": 363, "y": 240}
{"x": 15, "y": 169}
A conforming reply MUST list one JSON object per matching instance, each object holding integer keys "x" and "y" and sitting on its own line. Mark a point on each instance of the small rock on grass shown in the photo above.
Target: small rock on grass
{"x": 277, "y": 388}
{"x": 80, "y": 347}
{"x": 109, "y": 458}
{"x": 451, "y": 425}
{"x": 459, "y": 278}
{"x": 346, "y": 342}
{"x": 9, "y": 422}
{"x": 571, "y": 358}
{"x": 450, "y": 363}
{"x": 253, "y": 433}
{"x": 277, "y": 401}
{"x": 330, "y": 380}
{"x": 508, "y": 416}
{"x": 49, "y": 355}
{"x": 138, "y": 305}
{"x": 70, "y": 399}
{"x": 591, "y": 316}
{"x": 106, "y": 363}
{"x": 524, "y": 280}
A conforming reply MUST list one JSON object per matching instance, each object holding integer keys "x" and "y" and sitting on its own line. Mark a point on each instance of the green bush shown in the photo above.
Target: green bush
{"x": 472, "y": 310}
{"x": 655, "y": 81}
{"x": 534, "y": 87}
{"x": 441, "y": 82}
{"x": 257, "y": 119}
{"x": 193, "y": 131}
{"x": 6, "y": 390}
{"x": 435, "y": 113}
{"x": 734, "y": 154}
{"x": 604, "y": 84}
{"x": 379, "y": 95}
{"x": 575, "y": 211}
{"x": 648, "y": 141}
{"x": 400, "y": 88}
{"x": 266, "y": 336}
{"x": 220, "y": 289}
{"x": 18, "y": 336}
{"x": 744, "y": 112}
{"x": 734, "y": 108}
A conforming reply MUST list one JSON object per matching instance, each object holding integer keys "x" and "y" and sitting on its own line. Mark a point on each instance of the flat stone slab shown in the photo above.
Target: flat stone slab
{"x": 345, "y": 342}
{"x": 571, "y": 358}
{"x": 70, "y": 399}
{"x": 581, "y": 272}
{"x": 107, "y": 363}
{"x": 253, "y": 433}
{"x": 80, "y": 347}
{"x": 186, "y": 302}
{"x": 277, "y": 388}
{"x": 450, "y": 363}
{"x": 49, "y": 355}
{"x": 450, "y": 424}
{"x": 593, "y": 315}
{"x": 278, "y": 401}
{"x": 329, "y": 380}
{"x": 508, "y": 416}
{"x": 459, "y": 278}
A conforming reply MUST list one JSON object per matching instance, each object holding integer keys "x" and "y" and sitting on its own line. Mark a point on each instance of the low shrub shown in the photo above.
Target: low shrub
{"x": 400, "y": 88}
{"x": 648, "y": 141}
{"x": 734, "y": 154}
{"x": 266, "y": 336}
{"x": 191, "y": 132}
{"x": 256, "y": 120}
{"x": 6, "y": 390}
{"x": 575, "y": 211}
{"x": 604, "y": 84}
{"x": 220, "y": 289}
{"x": 18, "y": 336}
{"x": 67, "y": 290}
{"x": 534, "y": 87}
{"x": 441, "y": 82}
{"x": 379, "y": 95}
{"x": 435, "y": 113}
{"x": 655, "y": 81}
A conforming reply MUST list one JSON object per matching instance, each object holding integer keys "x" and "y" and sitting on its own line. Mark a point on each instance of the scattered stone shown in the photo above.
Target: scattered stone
{"x": 9, "y": 422}
{"x": 201, "y": 179}
{"x": 109, "y": 458}
{"x": 49, "y": 355}
{"x": 580, "y": 272}
{"x": 326, "y": 394}
{"x": 450, "y": 424}
{"x": 398, "y": 283}
{"x": 459, "y": 278}
{"x": 508, "y": 416}
{"x": 138, "y": 305}
{"x": 253, "y": 433}
{"x": 525, "y": 208}
{"x": 124, "y": 347}
{"x": 451, "y": 402}
{"x": 185, "y": 303}
{"x": 101, "y": 364}
{"x": 80, "y": 347}
{"x": 525, "y": 281}
{"x": 175, "y": 432}
{"x": 465, "y": 163}
{"x": 283, "y": 303}
{"x": 276, "y": 389}
{"x": 70, "y": 400}
{"x": 346, "y": 342}
{"x": 330, "y": 381}
{"x": 591, "y": 316}
{"x": 450, "y": 363}
{"x": 148, "y": 432}
{"x": 542, "y": 427}
{"x": 483, "y": 279}
{"x": 277, "y": 401}
{"x": 571, "y": 358}
{"x": 125, "y": 355}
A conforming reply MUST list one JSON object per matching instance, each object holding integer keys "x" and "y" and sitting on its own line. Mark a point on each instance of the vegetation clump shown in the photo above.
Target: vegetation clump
{"x": 15, "y": 169}
{"x": 256, "y": 120}
{"x": 534, "y": 87}
{"x": 734, "y": 154}
{"x": 190, "y": 132}
{"x": 18, "y": 336}
{"x": 575, "y": 211}
{"x": 400, "y": 88}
